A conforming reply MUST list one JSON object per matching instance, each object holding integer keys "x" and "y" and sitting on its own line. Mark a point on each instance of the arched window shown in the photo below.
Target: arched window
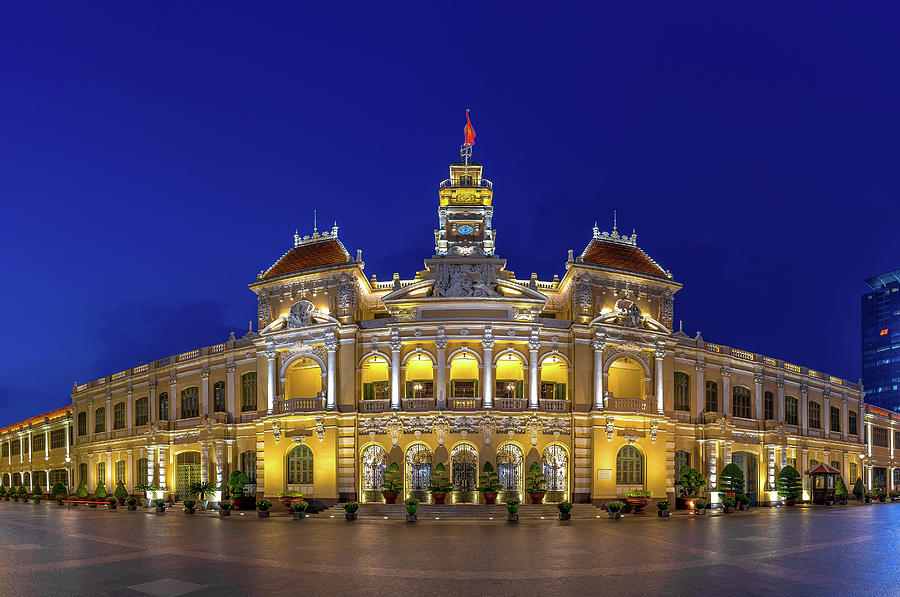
{"x": 740, "y": 403}
{"x": 101, "y": 473}
{"x": 510, "y": 378}
{"x": 376, "y": 383}
{"x": 303, "y": 378}
{"x": 815, "y": 415}
{"x": 464, "y": 376}
{"x": 142, "y": 477}
{"x": 629, "y": 466}
{"x": 248, "y": 392}
{"x": 120, "y": 471}
{"x": 509, "y": 469}
{"x": 555, "y": 466}
{"x": 682, "y": 391}
{"x": 554, "y": 375}
{"x": 682, "y": 458}
{"x": 626, "y": 378}
{"x": 373, "y": 463}
{"x": 300, "y": 466}
{"x": 190, "y": 402}
{"x": 219, "y": 397}
{"x": 419, "y": 376}
{"x": 248, "y": 464}
{"x": 119, "y": 415}
{"x": 418, "y": 470}
{"x": 17, "y": 479}
{"x": 712, "y": 397}
{"x": 464, "y": 471}
{"x": 769, "y": 406}
{"x": 141, "y": 411}
{"x": 99, "y": 420}
{"x": 790, "y": 410}
{"x": 82, "y": 423}
{"x": 164, "y": 406}
{"x": 836, "y": 419}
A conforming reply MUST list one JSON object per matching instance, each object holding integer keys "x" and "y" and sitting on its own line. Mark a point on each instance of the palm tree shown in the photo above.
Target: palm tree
{"x": 202, "y": 489}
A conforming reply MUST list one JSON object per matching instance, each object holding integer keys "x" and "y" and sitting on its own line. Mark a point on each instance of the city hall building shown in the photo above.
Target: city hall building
{"x": 462, "y": 363}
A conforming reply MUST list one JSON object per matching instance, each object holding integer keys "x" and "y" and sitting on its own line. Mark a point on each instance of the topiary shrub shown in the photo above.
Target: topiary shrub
{"x": 38, "y": 491}
{"x": 100, "y": 491}
{"x": 81, "y": 492}
{"x": 789, "y": 483}
{"x": 691, "y": 481}
{"x": 120, "y": 493}
{"x": 731, "y": 479}
{"x": 840, "y": 490}
{"x": 858, "y": 489}
{"x": 58, "y": 489}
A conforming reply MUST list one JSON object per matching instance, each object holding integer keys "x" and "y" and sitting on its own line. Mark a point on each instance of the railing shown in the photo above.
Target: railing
{"x": 294, "y": 405}
{"x": 119, "y": 375}
{"x": 628, "y": 404}
{"x": 192, "y": 422}
{"x": 217, "y": 348}
{"x": 553, "y": 406}
{"x": 247, "y": 417}
{"x": 511, "y": 403}
{"x": 483, "y": 183}
{"x": 418, "y": 403}
{"x": 374, "y": 406}
{"x": 191, "y": 354}
{"x": 464, "y": 403}
{"x": 682, "y": 416}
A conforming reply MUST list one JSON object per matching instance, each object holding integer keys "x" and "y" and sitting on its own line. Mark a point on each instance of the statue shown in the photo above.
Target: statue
{"x": 300, "y": 314}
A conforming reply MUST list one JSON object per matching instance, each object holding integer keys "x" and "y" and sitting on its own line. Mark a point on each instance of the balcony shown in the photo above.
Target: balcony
{"x": 633, "y": 405}
{"x": 413, "y": 404}
{"x": 374, "y": 406}
{"x": 514, "y": 404}
{"x": 299, "y": 405}
{"x": 470, "y": 183}
{"x": 465, "y": 404}
{"x": 248, "y": 417}
{"x": 553, "y": 406}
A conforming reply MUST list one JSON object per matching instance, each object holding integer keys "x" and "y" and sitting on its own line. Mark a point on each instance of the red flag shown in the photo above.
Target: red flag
{"x": 469, "y": 131}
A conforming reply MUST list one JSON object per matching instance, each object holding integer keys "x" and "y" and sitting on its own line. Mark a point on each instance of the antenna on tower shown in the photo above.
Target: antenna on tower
{"x": 315, "y": 223}
{"x": 614, "y": 220}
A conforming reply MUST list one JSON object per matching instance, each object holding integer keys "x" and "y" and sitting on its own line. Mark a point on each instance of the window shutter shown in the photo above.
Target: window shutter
{"x": 520, "y": 388}
{"x": 410, "y": 392}
{"x": 560, "y": 391}
{"x": 452, "y": 388}
{"x": 368, "y": 391}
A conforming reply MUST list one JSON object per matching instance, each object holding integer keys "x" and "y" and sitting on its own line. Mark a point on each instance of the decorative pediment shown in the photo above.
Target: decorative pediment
{"x": 627, "y": 314}
{"x": 302, "y": 314}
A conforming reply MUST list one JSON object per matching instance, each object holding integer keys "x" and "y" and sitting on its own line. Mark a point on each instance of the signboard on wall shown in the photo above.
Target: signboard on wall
{"x": 604, "y": 474}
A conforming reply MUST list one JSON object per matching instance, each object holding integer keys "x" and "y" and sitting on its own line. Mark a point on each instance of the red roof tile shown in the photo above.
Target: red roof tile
{"x": 308, "y": 256}
{"x": 621, "y": 256}
{"x": 53, "y": 414}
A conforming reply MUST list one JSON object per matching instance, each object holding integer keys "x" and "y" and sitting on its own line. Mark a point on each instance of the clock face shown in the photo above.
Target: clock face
{"x": 465, "y": 230}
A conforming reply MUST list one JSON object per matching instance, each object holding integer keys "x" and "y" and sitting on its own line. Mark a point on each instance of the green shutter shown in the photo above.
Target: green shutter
{"x": 410, "y": 393}
{"x": 475, "y": 390}
{"x": 452, "y": 388}
{"x": 560, "y": 391}
{"x": 520, "y": 388}
{"x": 368, "y": 391}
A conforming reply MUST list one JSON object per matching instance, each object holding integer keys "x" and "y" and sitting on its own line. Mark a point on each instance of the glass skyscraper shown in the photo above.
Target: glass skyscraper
{"x": 881, "y": 341}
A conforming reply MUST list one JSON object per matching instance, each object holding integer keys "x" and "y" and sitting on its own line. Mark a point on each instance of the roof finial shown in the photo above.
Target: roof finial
{"x": 614, "y": 220}
{"x": 315, "y": 223}
{"x": 296, "y": 237}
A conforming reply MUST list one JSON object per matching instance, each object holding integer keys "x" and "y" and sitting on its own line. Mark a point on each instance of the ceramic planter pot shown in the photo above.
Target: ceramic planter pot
{"x": 438, "y": 498}
{"x": 537, "y": 497}
{"x": 490, "y": 498}
{"x": 637, "y": 504}
{"x": 663, "y": 513}
{"x": 389, "y": 497}
{"x": 615, "y": 515}
{"x": 224, "y": 513}
{"x": 728, "y": 509}
{"x": 287, "y": 501}
{"x": 350, "y": 515}
{"x": 700, "y": 512}
{"x": 263, "y": 513}
{"x": 189, "y": 510}
{"x": 790, "y": 502}
{"x": 298, "y": 515}
{"x": 565, "y": 516}
{"x": 842, "y": 502}
{"x": 512, "y": 517}
{"x": 160, "y": 510}
{"x": 411, "y": 518}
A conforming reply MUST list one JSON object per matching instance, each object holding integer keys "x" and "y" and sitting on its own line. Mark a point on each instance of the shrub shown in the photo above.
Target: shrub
{"x": 393, "y": 480}
{"x": 100, "y": 491}
{"x": 488, "y": 481}
{"x": 439, "y": 482}
{"x": 663, "y": 504}
{"x": 131, "y": 501}
{"x": 691, "y": 480}
{"x": 789, "y": 483}
{"x": 81, "y": 491}
{"x": 700, "y": 503}
{"x": 225, "y": 505}
{"x": 840, "y": 490}
{"x": 728, "y": 502}
{"x": 38, "y": 491}
{"x": 202, "y": 489}
{"x": 564, "y": 507}
{"x": 731, "y": 480}
{"x": 23, "y": 491}
{"x": 2, "y": 490}
{"x": 263, "y": 505}
{"x": 291, "y": 494}
{"x": 639, "y": 493}
{"x": 534, "y": 481}
{"x": 858, "y": 488}
{"x": 189, "y": 504}
{"x": 236, "y": 482}
{"x": 742, "y": 499}
{"x": 412, "y": 505}
{"x": 120, "y": 493}
{"x": 159, "y": 503}
{"x": 512, "y": 506}
{"x": 58, "y": 489}
{"x": 300, "y": 506}
{"x": 615, "y": 506}
{"x": 351, "y": 507}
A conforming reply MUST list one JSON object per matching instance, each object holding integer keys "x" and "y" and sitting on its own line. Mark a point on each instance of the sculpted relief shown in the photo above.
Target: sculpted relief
{"x": 462, "y": 279}
{"x": 300, "y": 314}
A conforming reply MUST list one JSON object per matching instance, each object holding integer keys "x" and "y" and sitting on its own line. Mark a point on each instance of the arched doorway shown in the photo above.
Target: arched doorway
{"x": 304, "y": 379}
{"x": 418, "y": 471}
{"x": 187, "y": 471}
{"x": 373, "y": 463}
{"x": 748, "y": 464}
{"x": 464, "y": 473}
{"x": 554, "y": 375}
{"x": 626, "y": 384}
{"x": 419, "y": 377}
{"x": 509, "y": 470}
{"x": 555, "y": 465}
{"x": 376, "y": 383}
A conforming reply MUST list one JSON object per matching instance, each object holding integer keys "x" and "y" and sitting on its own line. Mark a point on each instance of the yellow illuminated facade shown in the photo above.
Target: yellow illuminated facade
{"x": 461, "y": 363}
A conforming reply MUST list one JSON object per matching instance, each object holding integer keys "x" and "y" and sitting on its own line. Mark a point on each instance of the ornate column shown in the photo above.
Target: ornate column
{"x": 868, "y": 439}
{"x": 107, "y": 464}
{"x": 129, "y": 409}
{"x": 772, "y": 471}
{"x": 162, "y": 468}
{"x": 804, "y": 465}
{"x": 91, "y": 420}
{"x": 845, "y": 472}
{"x": 726, "y": 389}
{"x": 845, "y": 418}
{"x": 92, "y": 472}
{"x": 891, "y": 432}
{"x": 229, "y": 391}
{"x": 660, "y": 355}
{"x": 487, "y": 344}
{"x": 331, "y": 390}
{"x": 441, "y": 365}
{"x": 219, "y": 479}
{"x": 204, "y": 463}
{"x": 598, "y": 344}
{"x": 22, "y": 450}
{"x": 173, "y": 392}
{"x": 47, "y": 446}
{"x": 711, "y": 459}
{"x": 783, "y": 457}
{"x": 868, "y": 477}
{"x": 395, "y": 368}
{"x": 151, "y": 467}
{"x": 30, "y": 445}
{"x": 826, "y": 413}
{"x": 68, "y": 432}
{"x": 534, "y": 343}
{"x": 204, "y": 392}
{"x": 700, "y": 366}
{"x": 108, "y": 414}
{"x": 151, "y": 391}
{"x": 270, "y": 380}
{"x": 779, "y": 414}
{"x": 758, "y": 412}
{"x": 804, "y": 411}
{"x": 727, "y": 452}
{"x": 129, "y": 470}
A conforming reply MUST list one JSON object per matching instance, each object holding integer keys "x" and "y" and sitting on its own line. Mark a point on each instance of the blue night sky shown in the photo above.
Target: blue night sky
{"x": 153, "y": 161}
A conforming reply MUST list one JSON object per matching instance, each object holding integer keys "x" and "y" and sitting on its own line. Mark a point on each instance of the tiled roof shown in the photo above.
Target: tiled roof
{"x": 307, "y": 256}
{"x": 621, "y": 256}
{"x": 53, "y": 414}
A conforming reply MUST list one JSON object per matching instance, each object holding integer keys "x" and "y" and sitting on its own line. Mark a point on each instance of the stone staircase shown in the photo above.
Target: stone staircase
{"x": 476, "y": 511}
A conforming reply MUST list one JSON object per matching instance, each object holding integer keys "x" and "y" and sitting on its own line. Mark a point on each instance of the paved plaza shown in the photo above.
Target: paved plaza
{"x": 48, "y": 550}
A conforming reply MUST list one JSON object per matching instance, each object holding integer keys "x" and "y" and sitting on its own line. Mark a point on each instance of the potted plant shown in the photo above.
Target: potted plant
{"x": 225, "y": 508}
{"x": 829, "y": 499}
{"x": 840, "y": 491}
{"x": 100, "y": 493}
{"x": 512, "y": 510}
{"x": 731, "y": 482}
{"x": 350, "y": 509}
{"x": 288, "y": 498}
{"x": 662, "y": 508}
{"x": 262, "y": 508}
{"x": 412, "y": 506}
{"x": 2, "y": 491}
{"x": 120, "y": 493}
{"x": 113, "y": 503}
{"x": 638, "y": 499}
{"x": 14, "y": 493}
{"x": 298, "y": 509}
{"x": 489, "y": 483}
{"x": 58, "y": 491}
{"x": 189, "y": 506}
{"x": 882, "y": 494}
{"x": 132, "y": 503}
{"x": 743, "y": 501}
{"x": 700, "y": 505}
{"x": 202, "y": 489}
{"x": 868, "y": 497}
{"x": 23, "y": 494}
{"x": 565, "y": 510}
{"x": 144, "y": 489}
{"x": 236, "y": 483}
{"x": 789, "y": 485}
{"x": 534, "y": 483}
{"x": 439, "y": 484}
{"x": 614, "y": 509}
{"x": 392, "y": 483}
{"x": 858, "y": 489}
{"x": 895, "y": 495}
{"x": 160, "y": 506}
{"x": 691, "y": 482}
{"x": 37, "y": 494}
{"x": 81, "y": 492}
{"x": 728, "y": 505}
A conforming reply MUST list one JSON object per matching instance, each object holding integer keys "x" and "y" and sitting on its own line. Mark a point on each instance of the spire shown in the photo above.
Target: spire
{"x": 315, "y": 223}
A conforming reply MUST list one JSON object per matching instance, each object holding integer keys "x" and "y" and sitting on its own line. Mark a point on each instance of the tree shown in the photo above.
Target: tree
{"x": 691, "y": 481}
{"x": 858, "y": 488}
{"x": 120, "y": 492}
{"x": 534, "y": 481}
{"x": 393, "y": 480}
{"x": 439, "y": 482}
{"x": 81, "y": 491}
{"x": 100, "y": 491}
{"x": 789, "y": 483}
{"x": 488, "y": 481}
{"x": 840, "y": 490}
{"x": 58, "y": 489}
{"x": 731, "y": 480}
